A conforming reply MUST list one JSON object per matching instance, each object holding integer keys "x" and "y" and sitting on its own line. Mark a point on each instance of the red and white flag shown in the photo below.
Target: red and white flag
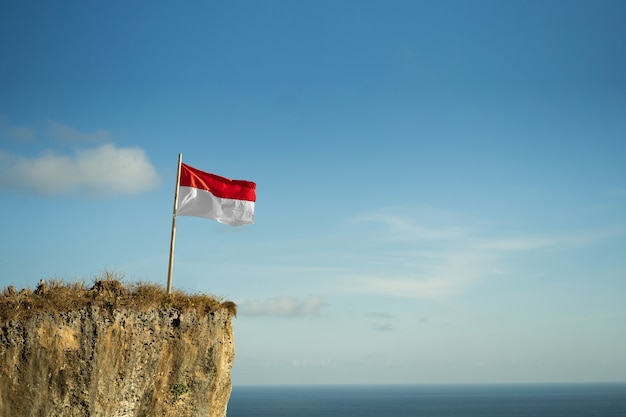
{"x": 207, "y": 195}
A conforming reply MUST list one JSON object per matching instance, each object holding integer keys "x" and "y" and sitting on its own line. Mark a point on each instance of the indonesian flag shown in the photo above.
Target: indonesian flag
{"x": 207, "y": 195}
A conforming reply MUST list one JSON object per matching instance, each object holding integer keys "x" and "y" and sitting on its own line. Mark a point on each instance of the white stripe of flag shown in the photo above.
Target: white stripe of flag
{"x": 227, "y": 201}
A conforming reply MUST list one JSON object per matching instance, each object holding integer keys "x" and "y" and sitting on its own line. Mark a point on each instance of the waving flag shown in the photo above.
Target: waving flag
{"x": 202, "y": 194}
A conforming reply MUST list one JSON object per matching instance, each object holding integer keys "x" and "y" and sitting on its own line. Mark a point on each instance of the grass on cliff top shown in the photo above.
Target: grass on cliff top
{"x": 107, "y": 292}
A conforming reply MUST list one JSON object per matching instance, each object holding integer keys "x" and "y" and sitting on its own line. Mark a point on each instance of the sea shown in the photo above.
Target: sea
{"x": 501, "y": 400}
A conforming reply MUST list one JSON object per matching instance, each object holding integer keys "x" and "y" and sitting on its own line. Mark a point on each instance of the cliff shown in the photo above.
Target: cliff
{"x": 114, "y": 353}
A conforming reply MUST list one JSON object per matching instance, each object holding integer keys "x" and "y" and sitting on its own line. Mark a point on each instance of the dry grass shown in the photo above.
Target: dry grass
{"x": 107, "y": 292}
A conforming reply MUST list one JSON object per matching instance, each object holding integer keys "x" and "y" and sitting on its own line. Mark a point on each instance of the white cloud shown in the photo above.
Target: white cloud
{"x": 285, "y": 306}
{"x": 105, "y": 170}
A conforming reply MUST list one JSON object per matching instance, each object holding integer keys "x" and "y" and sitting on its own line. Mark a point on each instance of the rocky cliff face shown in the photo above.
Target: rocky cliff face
{"x": 116, "y": 363}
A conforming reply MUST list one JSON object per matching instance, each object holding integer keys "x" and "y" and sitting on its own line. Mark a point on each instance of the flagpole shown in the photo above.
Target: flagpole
{"x": 171, "y": 264}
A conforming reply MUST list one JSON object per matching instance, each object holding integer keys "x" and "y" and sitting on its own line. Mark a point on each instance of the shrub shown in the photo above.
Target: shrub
{"x": 179, "y": 390}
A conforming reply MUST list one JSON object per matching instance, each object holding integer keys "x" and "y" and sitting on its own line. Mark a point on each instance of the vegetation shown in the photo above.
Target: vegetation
{"x": 179, "y": 390}
{"x": 107, "y": 292}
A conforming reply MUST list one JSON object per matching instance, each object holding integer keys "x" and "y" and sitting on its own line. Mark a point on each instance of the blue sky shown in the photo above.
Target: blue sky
{"x": 441, "y": 185}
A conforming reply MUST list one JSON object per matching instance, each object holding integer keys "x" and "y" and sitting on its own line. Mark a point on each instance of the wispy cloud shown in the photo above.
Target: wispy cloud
{"x": 621, "y": 191}
{"x": 23, "y": 134}
{"x": 302, "y": 363}
{"x": 103, "y": 171}
{"x": 51, "y": 131}
{"x": 380, "y": 321}
{"x": 515, "y": 244}
{"x": 399, "y": 227}
{"x": 19, "y": 134}
{"x": 285, "y": 306}
{"x": 437, "y": 262}
{"x": 378, "y": 315}
{"x": 69, "y": 135}
{"x": 434, "y": 287}
{"x": 383, "y": 327}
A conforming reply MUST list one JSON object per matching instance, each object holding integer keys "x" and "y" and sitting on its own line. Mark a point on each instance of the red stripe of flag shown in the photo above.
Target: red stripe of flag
{"x": 218, "y": 186}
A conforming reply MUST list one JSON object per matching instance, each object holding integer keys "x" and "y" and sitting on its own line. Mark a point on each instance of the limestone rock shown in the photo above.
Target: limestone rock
{"x": 98, "y": 362}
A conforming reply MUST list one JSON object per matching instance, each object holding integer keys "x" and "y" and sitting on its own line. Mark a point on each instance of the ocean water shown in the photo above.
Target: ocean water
{"x": 505, "y": 400}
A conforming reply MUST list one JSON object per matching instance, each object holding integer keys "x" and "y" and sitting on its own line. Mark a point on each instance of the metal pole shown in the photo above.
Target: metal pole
{"x": 171, "y": 264}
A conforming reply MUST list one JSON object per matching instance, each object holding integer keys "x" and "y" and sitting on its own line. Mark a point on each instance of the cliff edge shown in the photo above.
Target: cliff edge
{"x": 114, "y": 352}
